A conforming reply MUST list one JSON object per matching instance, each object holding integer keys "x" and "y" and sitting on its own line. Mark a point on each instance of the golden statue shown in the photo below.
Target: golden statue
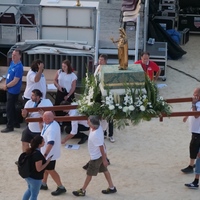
{"x": 122, "y": 49}
{"x": 78, "y": 3}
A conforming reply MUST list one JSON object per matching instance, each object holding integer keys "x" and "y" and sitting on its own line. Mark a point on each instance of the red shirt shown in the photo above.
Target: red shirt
{"x": 150, "y": 68}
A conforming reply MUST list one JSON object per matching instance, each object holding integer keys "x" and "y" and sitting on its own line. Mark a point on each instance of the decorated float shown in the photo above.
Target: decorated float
{"x": 127, "y": 96}
{"x": 122, "y": 93}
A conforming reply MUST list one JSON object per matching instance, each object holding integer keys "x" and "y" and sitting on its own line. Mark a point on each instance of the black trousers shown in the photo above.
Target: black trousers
{"x": 194, "y": 145}
{"x": 11, "y": 111}
{"x": 110, "y": 128}
{"x": 79, "y": 133}
{"x": 59, "y": 98}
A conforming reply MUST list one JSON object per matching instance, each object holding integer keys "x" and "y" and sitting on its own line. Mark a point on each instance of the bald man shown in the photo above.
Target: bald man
{"x": 52, "y": 137}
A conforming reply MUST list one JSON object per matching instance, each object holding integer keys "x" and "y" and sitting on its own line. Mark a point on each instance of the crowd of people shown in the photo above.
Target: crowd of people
{"x": 43, "y": 139}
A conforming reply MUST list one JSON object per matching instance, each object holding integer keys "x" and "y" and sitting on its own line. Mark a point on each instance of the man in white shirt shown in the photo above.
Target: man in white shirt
{"x": 98, "y": 162}
{"x": 52, "y": 138}
{"x": 33, "y": 128}
{"x": 35, "y": 79}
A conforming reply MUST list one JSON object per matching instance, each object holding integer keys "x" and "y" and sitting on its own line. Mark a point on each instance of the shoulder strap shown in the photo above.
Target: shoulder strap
{"x": 36, "y": 105}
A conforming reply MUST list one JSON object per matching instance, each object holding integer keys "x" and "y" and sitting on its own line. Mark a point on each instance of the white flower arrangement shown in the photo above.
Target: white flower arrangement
{"x": 135, "y": 105}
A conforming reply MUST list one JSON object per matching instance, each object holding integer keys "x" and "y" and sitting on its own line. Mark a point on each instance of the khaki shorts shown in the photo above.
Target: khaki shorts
{"x": 95, "y": 167}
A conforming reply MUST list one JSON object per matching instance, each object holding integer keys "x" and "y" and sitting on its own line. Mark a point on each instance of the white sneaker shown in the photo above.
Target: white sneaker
{"x": 112, "y": 139}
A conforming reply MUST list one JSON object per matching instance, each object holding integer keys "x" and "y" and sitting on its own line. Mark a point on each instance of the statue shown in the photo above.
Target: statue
{"x": 78, "y": 3}
{"x": 122, "y": 49}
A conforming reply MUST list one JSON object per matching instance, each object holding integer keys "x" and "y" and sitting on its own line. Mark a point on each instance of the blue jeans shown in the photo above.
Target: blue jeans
{"x": 33, "y": 189}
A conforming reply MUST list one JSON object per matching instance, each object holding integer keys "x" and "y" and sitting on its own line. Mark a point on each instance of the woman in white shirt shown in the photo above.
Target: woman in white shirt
{"x": 35, "y": 79}
{"x": 65, "y": 81}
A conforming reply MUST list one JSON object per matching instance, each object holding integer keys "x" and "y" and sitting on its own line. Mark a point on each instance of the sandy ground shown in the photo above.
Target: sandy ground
{"x": 145, "y": 159}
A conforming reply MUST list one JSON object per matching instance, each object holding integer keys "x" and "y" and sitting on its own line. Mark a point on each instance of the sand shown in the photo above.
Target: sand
{"x": 145, "y": 159}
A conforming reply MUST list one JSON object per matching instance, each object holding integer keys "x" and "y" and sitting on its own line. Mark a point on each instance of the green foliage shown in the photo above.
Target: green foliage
{"x": 135, "y": 105}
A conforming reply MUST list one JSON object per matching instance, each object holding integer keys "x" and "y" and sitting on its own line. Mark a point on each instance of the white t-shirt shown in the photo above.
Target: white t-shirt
{"x": 65, "y": 80}
{"x": 34, "y": 126}
{"x": 51, "y": 132}
{"x": 75, "y": 124}
{"x": 95, "y": 140}
{"x": 194, "y": 123}
{"x": 31, "y": 84}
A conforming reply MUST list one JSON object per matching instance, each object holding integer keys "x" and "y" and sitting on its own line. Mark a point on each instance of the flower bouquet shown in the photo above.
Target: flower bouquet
{"x": 135, "y": 105}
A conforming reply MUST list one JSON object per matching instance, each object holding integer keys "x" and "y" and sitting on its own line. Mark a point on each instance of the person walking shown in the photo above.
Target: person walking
{"x": 194, "y": 127}
{"x": 38, "y": 164}
{"x": 35, "y": 79}
{"x": 33, "y": 128}
{"x": 98, "y": 162}
{"x": 52, "y": 137}
{"x": 13, "y": 88}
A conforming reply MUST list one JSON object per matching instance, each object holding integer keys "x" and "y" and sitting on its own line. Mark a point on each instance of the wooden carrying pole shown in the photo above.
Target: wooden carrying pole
{"x": 69, "y": 107}
{"x": 179, "y": 100}
{"x": 52, "y": 108}
{"x": 55, "y": 108}
{"x": 59, "y": 118}
{"x": 180, "y": 114}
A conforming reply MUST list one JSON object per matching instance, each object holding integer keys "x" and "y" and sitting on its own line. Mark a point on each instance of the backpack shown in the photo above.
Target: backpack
{"x": 24, "y": 165}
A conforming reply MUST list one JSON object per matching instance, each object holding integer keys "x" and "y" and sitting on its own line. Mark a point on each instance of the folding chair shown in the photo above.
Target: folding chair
{"x": 131, "y": 16}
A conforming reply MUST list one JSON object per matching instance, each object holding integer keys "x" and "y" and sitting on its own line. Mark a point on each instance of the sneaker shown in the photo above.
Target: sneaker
{"x": 109, "y": 191}
{"x": 59, "y": 191}
{"x": 112, "y": 139}
{"x": 44, "y": 187}
{"x": 187, "y": 170}
{"x": 79, "y": 193}
{"x": 192, "y": 185}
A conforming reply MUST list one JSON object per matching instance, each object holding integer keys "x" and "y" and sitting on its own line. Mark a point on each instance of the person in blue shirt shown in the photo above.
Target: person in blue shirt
{"x": 13, "y": 87}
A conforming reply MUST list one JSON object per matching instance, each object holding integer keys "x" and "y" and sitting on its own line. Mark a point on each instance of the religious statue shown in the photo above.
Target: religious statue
{"x": 78, "y": 3}
{"x": 122, "y": 49}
